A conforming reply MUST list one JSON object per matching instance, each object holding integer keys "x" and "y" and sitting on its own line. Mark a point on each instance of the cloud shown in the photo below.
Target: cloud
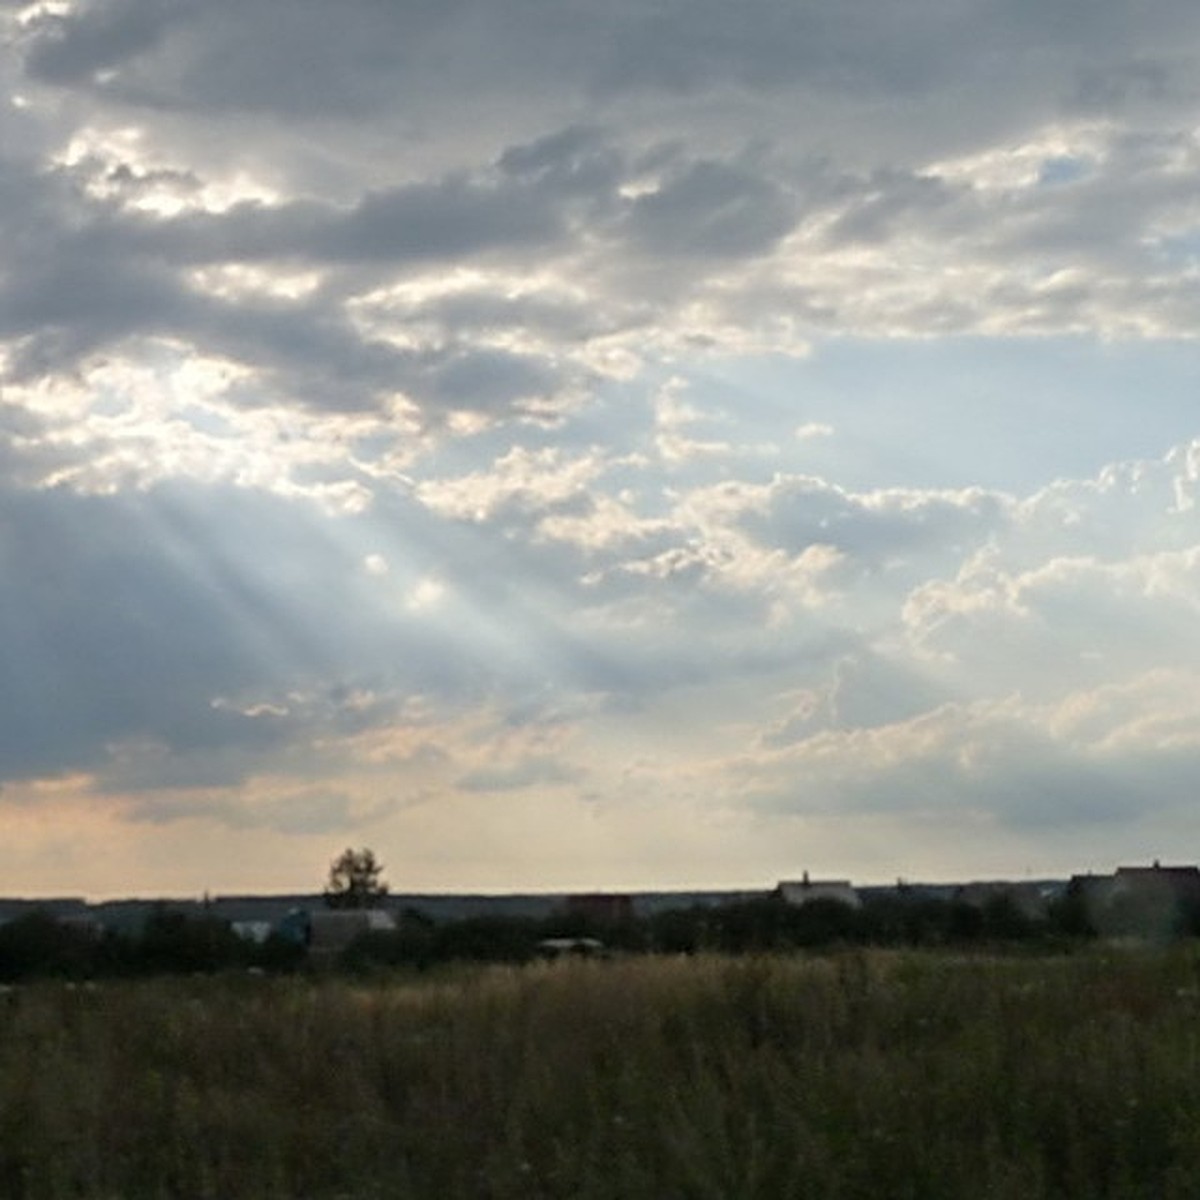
{"x": 657, "y": 233}
{"x": 710, "y": 210}
{"x": 520, "y": 481}
{"x": 533, "y": 772}
{"x": 1089, "y": 578}
{"x": 992, "y": 764}
{"x": 295, "y": 813}
{"x": 388, "y": 391}
{"x": 813, "y": 429}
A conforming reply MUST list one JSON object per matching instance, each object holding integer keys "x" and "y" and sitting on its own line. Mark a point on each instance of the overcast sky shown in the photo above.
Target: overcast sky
{"x": 565, "y": 445}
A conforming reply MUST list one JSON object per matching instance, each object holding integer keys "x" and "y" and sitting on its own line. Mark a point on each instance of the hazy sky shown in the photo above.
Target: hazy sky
{"x": 564, "y": 444}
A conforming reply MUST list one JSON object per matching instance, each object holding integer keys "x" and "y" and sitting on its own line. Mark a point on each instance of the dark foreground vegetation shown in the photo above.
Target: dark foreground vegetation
{"x": 38, "y": 946}
{"x": 867, "y": 1074}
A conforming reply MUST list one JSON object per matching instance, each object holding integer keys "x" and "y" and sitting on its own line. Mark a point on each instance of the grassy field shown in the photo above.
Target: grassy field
{"x": 872, "y": 1074}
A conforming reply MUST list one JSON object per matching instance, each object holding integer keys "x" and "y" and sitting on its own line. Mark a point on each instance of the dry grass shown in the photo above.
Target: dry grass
{"x": 864, "y": 1075}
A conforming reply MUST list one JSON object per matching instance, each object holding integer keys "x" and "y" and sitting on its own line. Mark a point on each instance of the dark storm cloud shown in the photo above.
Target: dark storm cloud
{"x": 81, "y": 276}
{"x": 489, "y": 380}
{"x": 445, "y": 220}
{"x": 711, "y": 209}
{"x": 77, "y": 282}
{"x": 880, "y": 204}
{"x": 450, "y": 218}
{"x": 69, "y": 281}
{"x": 425, "y": 139}
{"x": 252, "y": 61}
{"x": 77, "y": 46}
{"x": 294, "y": 57}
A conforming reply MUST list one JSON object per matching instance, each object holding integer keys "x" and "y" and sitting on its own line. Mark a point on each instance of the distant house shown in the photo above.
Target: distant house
{"x": 570, "y": 947}
{"x": 1183, "y": 882}
{"x": 806, "y": 890}
{"x": 327, "y": 932}
{"x": 252, "y": 931}
{"x": 335, "y": 929}
{"x": 1154, "y": 901}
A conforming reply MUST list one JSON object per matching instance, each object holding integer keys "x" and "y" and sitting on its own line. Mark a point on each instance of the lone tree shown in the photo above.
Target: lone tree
{"x": 355, "y": 880}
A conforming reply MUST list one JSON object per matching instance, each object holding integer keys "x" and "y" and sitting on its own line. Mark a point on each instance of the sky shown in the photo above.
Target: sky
{"x": 561, "y": 446}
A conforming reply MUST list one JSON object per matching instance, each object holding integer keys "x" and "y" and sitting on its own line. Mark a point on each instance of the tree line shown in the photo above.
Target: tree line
{"x": 173, "y": 942}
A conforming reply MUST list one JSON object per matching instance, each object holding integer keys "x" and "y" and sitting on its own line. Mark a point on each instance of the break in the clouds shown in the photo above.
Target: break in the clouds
{"x": 571, "y": 445}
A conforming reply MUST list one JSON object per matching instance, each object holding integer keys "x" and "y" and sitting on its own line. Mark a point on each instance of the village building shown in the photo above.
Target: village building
{"x": 570, "y": 947}
{"x": 806, "y": 890}
{"x": 1148, "y": 902}
{"x": 327, "y": 932}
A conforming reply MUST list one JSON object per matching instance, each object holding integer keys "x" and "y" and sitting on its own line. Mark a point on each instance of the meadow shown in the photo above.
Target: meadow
{"x": 872, "y": 1073}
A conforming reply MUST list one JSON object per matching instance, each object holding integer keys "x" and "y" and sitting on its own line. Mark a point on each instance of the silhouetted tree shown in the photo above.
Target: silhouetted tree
{"x": 177, "y": 942}
{"x": 680, "y": 930}
{"x": 1069, "y": 915}
{"x": 355, "y": 880}
{"x": 39, "y": 945}
{"x": 488, "y": 939}
{"x": 1005, "y": 921}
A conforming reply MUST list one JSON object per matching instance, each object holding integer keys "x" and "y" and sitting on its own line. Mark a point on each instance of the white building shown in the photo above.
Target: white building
{"x": 806, "y": 890}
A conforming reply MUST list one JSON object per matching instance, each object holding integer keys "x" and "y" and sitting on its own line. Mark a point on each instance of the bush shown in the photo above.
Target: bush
{"x": 39, "y": 945}
{"x": 173, "y": 942}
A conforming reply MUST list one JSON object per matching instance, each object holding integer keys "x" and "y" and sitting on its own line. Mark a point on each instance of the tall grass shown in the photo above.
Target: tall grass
{"x": 866, "y": 1075}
